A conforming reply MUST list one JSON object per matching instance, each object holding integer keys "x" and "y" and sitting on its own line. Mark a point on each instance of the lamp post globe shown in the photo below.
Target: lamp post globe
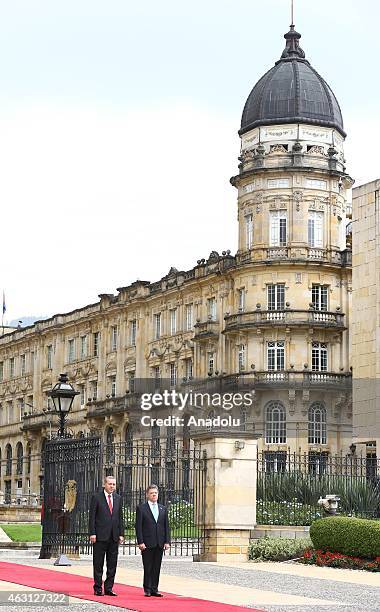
{"x": 62, "y": 394}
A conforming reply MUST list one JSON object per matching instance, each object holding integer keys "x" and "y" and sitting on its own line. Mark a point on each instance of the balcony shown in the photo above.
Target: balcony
{"x": 286, "y": 318}
{"x": 207, "y": 330}
{"x": 278, "y": 379}
{"x": 113, "y": 405}
{"x": 39, "y": 420}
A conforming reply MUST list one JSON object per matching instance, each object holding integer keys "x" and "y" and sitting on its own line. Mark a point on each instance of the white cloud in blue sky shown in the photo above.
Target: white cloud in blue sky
{"x": 118, "y": 124}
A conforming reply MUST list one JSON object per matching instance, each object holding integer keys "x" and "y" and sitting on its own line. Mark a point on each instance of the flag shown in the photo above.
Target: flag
{"x": 4, "y": 305}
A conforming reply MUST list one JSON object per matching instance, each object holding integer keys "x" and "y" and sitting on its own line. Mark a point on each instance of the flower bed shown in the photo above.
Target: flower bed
{"x": 333, "y": 559}
{"x": 286, "y": 513}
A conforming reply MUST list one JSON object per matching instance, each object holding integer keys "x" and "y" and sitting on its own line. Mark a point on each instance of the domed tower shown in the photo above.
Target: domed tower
{"x": 292, "y": 164}
{"x": 294, "y": 266}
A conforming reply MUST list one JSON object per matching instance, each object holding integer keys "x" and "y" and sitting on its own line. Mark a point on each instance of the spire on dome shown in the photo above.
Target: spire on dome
{"x": 292, "y": 48}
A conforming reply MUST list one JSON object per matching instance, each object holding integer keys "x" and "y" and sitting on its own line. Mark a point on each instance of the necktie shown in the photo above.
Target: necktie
{"x": 155, "y": 511}
{"x": 110, "y": 503}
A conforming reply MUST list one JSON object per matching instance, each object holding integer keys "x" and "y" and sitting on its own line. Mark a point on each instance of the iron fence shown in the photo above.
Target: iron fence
{"x": 74, "y": 470}
{"x": 290, "y": 484}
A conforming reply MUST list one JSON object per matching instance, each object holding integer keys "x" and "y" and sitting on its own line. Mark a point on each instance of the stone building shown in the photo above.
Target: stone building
{"x": 274, "y": 317}
{"x": 365, "y": 317}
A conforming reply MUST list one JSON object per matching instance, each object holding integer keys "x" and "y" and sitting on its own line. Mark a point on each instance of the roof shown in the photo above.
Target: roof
{"x": 292, "y": 92}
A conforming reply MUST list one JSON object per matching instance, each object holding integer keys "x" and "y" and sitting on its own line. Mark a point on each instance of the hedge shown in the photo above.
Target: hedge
{"x": 347, "y": 535}
{"x": 277, "y": 549}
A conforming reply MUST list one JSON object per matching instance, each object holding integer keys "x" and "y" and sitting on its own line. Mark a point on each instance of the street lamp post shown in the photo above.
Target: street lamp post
{"x": 62, "y": 394}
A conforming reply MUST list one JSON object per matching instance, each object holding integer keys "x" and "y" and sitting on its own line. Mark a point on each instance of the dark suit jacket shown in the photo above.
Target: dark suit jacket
{"x": 149, "y": 532}
{"x": 101, "y": 522}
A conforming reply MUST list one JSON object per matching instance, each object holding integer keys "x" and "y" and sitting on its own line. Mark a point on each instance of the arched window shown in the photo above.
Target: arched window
{"x": 20, "y": 458}
{"x": 211, "y": 415}
{"x": 275, "y": 423}
{"x": 128, "y": 438}
{"x": 110, "y": 450}
{"x": 28, "y": 458}
{"x": 8, "y": 453}
{"x": 317, "y": 424}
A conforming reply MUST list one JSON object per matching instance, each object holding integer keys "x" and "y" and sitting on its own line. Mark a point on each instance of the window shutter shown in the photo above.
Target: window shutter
{"x": 274, "y": 229}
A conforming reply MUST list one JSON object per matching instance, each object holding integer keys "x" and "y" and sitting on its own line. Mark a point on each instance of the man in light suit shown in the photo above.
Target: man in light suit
{"x": 153, "y": 537}
{"x": 106, "y": 527}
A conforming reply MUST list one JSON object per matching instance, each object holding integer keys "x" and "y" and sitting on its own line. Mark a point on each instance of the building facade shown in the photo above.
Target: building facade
{"x": 365, "y": 317}
{"x": 273, "y": 318}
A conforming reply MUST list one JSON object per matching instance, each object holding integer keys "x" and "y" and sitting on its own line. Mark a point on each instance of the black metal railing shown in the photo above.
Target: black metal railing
{"x": 74, "y": 470}
{"x": 289, "y": 486}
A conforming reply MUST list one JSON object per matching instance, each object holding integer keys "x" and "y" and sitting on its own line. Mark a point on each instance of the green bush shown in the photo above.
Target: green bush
{"x": 347, "y": 535}
{"x": 358, "y": 495}
{"x": 181, "y": 514}
{"x": 277, "y": 549}
{"x": 129, "y": 519}
{"x": 286, "y": 513}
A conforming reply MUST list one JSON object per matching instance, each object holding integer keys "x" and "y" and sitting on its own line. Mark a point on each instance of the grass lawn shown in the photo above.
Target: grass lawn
{"x": 23, "y": 532}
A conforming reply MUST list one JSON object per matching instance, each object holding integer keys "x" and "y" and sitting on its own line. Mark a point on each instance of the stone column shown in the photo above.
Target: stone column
{"x": 230, "y": 493}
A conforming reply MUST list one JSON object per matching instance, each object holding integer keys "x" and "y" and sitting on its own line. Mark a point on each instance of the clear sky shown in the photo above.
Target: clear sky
{"x": 118, "y": 131}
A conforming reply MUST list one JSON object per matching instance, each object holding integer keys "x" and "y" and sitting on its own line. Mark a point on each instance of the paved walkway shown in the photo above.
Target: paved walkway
{"x": 273, "y": 587}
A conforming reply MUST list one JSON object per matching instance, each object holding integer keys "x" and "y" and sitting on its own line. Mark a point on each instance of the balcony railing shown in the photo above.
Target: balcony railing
{"x": 205, "y": 330}
{"x": 258, "y": 318}
{"x": 39, "y": 420}
{"x": 113, "y": 405}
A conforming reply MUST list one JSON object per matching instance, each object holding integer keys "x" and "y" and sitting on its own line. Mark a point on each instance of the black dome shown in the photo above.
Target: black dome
{"x": 291, "y": 92}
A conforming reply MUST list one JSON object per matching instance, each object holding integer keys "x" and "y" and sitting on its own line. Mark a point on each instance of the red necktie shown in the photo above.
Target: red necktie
{"x": 110, "y": 503}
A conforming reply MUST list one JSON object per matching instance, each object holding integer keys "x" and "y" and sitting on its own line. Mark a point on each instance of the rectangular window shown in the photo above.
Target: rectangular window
{"x": 315, "y": 229}
{"x": 276, "y": 355}
{"x": 173, "y": 374}
{"x": 133, "y": 332}
{"x": 276, "y": 296}
{"x": 12, "y": 367}
{"x": 113, "y": 337}
{"x": 94, "y": 390}
{"x": 319, "y": 295}
{"x": 49, "y": 357}
{"x": 131, "y": 382}
{"x": 319, "y": 357}
{"x": 83, "y": 347}
{"x": 82, "y": 390}
{"x": 95, "y": 343}
{"x": 1, "y": 371}
{"x": 316, "y": 184}
{"x": 210, "y": 362}
{"x": 188, "y": 368}
{"x": 189, "y": 317}
{"x": 211, "y": 309}
{"x": 71, "y": 350}
{"x": 156, "y": 375}
{"x": 278, "y": 228}
{"x": 241, "y": 299}
{"x": 113, "y": 386}
{"x": 157, "y": 325}
{"x": 241, "y": 357}
{"x": 22, "y": 365}
{"x": 249, "y": 231}
{"x": 20, "y": 408}
{"x": 173, "y": 321}
{"x": 275, "y": 183}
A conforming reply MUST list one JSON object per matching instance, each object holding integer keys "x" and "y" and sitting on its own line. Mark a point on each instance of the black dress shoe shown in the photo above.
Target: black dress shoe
{"x": 98, "y": 592}
{"x": 157, "y": 594}
{"x": 147, "y": 594}
{"x": 111, "y": 593}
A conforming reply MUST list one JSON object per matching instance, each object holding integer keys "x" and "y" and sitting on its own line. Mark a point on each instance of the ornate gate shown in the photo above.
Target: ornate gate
{"x": 74, "y": 470}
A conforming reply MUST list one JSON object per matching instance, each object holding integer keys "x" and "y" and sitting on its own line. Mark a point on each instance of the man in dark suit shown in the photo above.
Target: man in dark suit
{"x": 106, "y": 527}
{"x": 153, "y": 537}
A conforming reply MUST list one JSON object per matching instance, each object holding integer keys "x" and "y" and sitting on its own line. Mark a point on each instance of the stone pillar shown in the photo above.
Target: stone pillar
{"x": 230, "y": 504}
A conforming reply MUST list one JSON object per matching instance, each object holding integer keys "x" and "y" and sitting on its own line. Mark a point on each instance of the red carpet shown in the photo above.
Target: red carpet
{"x": 128, "y": 596}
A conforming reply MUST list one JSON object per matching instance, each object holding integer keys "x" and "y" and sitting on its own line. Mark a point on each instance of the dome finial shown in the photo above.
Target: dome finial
{"x": 292, "y": 48}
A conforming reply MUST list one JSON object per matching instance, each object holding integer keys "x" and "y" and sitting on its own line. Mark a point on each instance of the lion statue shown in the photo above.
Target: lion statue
{"x": 70, "y": 495}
